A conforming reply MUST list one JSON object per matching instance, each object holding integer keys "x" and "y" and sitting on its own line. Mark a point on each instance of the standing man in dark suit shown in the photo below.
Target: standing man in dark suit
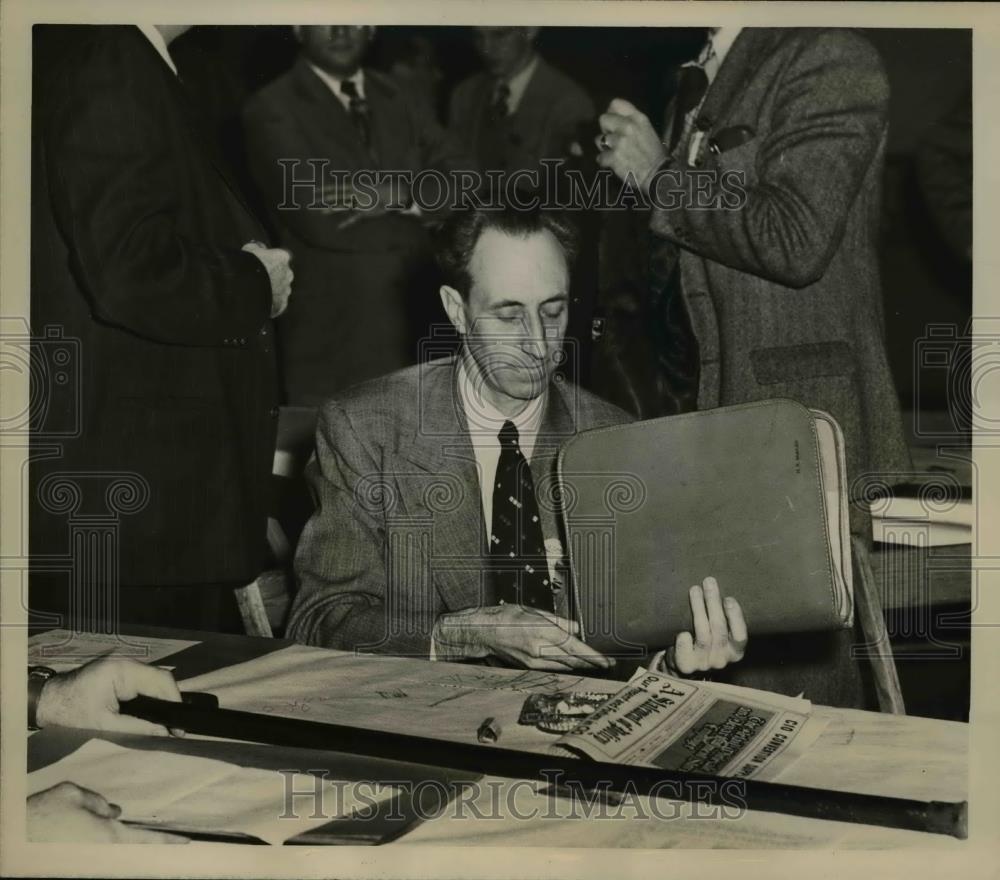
{"x": 519, "y": 109}
{"x": 308, "y": 132}
{"x": 436, "y": 533}
{"x": 144, "y": 250}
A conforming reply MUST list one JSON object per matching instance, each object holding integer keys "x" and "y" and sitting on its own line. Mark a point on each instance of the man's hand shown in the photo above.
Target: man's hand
{"x": 278, "y": 262}
{"x": 720, "y": 635}
{"x": 628, "y": 143}
{"x": 67, "y": 813}
{"x": 527, "y": 637}
{"x": 89, "y": 696}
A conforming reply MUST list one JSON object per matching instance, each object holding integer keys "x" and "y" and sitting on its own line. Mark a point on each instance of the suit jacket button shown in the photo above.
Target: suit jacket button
{"x": 243, "y": 341}
{"x": 273, "y": 412}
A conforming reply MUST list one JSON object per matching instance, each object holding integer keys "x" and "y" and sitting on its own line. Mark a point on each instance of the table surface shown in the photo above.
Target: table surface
{"x": 865, "y": 752}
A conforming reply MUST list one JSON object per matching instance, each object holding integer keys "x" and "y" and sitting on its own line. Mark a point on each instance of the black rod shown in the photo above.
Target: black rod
{"x": 935, "y": 817}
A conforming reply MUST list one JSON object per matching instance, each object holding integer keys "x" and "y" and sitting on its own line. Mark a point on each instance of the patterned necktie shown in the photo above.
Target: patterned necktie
{"x": 517, "y": 548}
{"x": 358, "y": 108}
{"x": 499, "y": 109}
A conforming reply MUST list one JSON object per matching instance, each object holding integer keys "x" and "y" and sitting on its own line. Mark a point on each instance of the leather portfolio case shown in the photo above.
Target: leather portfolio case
{"x": 753, "y": 495}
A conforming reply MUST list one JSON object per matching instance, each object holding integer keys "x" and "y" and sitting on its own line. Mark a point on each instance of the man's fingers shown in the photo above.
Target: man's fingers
{"x": 621, "y": 107}
{"x": 580, "y": 654}
{"x": 684, "y": 654}
{"x": 133, "y": 678}
{"x": 718, "y": 626}
{"x": 613, "y": 123}
{"x": 98, "y": 804}
{"x": 130, "y": 724}
{"x": 132, "y": 834}
{"x": 737, "y": 626}
{"x": 570, "y": 626}
{"x": 702, "y": 627}
{"x": 77, "y": 795}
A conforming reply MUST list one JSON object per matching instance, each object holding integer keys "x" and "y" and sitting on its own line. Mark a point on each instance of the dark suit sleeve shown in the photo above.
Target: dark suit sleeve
{"x": 828, "y": 120}
{"x": 341, "y": 562}
{"x": 118, "y": 194}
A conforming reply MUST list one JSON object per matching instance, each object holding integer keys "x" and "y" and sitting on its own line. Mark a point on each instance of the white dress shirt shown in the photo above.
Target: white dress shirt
{"x": 484, "y": 423}
{"x": 518, "y": 83}
{"x": 720, "y": 41}
{"x": 333, "y": 84}
{"x": 160, "y": 44}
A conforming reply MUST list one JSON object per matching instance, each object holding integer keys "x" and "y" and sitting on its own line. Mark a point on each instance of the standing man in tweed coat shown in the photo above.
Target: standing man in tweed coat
{"x": 779, "y": 276}
{"x": 764, "y": 203}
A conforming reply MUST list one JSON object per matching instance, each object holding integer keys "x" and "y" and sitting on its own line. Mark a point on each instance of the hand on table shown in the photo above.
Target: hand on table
{"x": 526, "y": 637}
{"x": 68, "y": 813}
{"x": 89, "y": 696}
{"x": 628, "y": 143}
{"x": 720, "y": 635}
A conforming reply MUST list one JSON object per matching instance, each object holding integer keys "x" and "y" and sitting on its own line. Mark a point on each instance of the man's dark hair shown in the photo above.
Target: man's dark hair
{"x": 460, "y": 234}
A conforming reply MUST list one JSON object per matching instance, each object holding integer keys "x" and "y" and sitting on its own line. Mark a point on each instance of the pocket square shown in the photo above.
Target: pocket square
{"x": 729, "y": 138}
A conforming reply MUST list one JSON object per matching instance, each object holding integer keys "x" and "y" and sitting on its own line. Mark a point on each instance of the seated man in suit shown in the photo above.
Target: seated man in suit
{"x": 430, "y": 539}
{"x": 367, "y": 263}
{"x": 519, "y": 109}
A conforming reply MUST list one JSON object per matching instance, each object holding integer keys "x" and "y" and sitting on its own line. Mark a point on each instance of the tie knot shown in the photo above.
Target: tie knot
{"x": 350, "y": 88}
{"x": 508, "y": 435}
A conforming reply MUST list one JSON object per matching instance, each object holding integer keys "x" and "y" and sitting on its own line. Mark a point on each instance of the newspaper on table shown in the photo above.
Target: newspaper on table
{"x": 697, "y": 727}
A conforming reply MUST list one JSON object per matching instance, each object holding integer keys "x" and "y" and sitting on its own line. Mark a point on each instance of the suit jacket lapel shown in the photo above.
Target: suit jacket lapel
{"x": 328, "y": 118}
{"x": 196, "y": 124}
{"x": 448, "y": 489}
{"x": 558, "y": 425}
{"x": 533, "y": 106}
{"x": 744, "y": 56}
{"x": 750, "y": 47}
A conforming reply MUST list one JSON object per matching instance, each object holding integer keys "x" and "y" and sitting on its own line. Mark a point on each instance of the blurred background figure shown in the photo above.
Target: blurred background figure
{"x": 354, "y": 268}
{"x": 410, "y": 60}
{"x": 518, "y": 109}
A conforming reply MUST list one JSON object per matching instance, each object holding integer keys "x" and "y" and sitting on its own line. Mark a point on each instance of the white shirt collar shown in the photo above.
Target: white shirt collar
{"x": 720, "y": 41}
{"x": 156, "y": 38}
{"x": 485, "y": 421}
{"x": 518, "y": 83}
{"x": 333, "y": 83}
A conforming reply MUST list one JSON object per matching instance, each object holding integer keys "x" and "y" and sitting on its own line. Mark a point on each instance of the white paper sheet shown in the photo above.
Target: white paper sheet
{"x": 175, "y": 791}
{"x": 62, "y": 650}
{"x": 440, "y": 700}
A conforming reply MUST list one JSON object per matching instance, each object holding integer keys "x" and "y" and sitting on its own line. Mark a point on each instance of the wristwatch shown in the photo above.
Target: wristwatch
{"x": 37, "y": 677}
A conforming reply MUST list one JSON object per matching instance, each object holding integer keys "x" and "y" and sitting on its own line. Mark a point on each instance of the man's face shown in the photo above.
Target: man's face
{"x": 504, "y": 50}
{"x": 337, "y": 49}
{"x": 516, "y": 313}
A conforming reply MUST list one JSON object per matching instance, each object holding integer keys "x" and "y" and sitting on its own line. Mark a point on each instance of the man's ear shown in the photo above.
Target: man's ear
{"x": 454, "y": 307}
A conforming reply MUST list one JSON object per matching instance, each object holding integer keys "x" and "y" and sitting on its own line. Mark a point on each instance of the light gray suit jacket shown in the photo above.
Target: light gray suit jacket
{"x": 783, "y": 292}
{"x": 398, "y": 538}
